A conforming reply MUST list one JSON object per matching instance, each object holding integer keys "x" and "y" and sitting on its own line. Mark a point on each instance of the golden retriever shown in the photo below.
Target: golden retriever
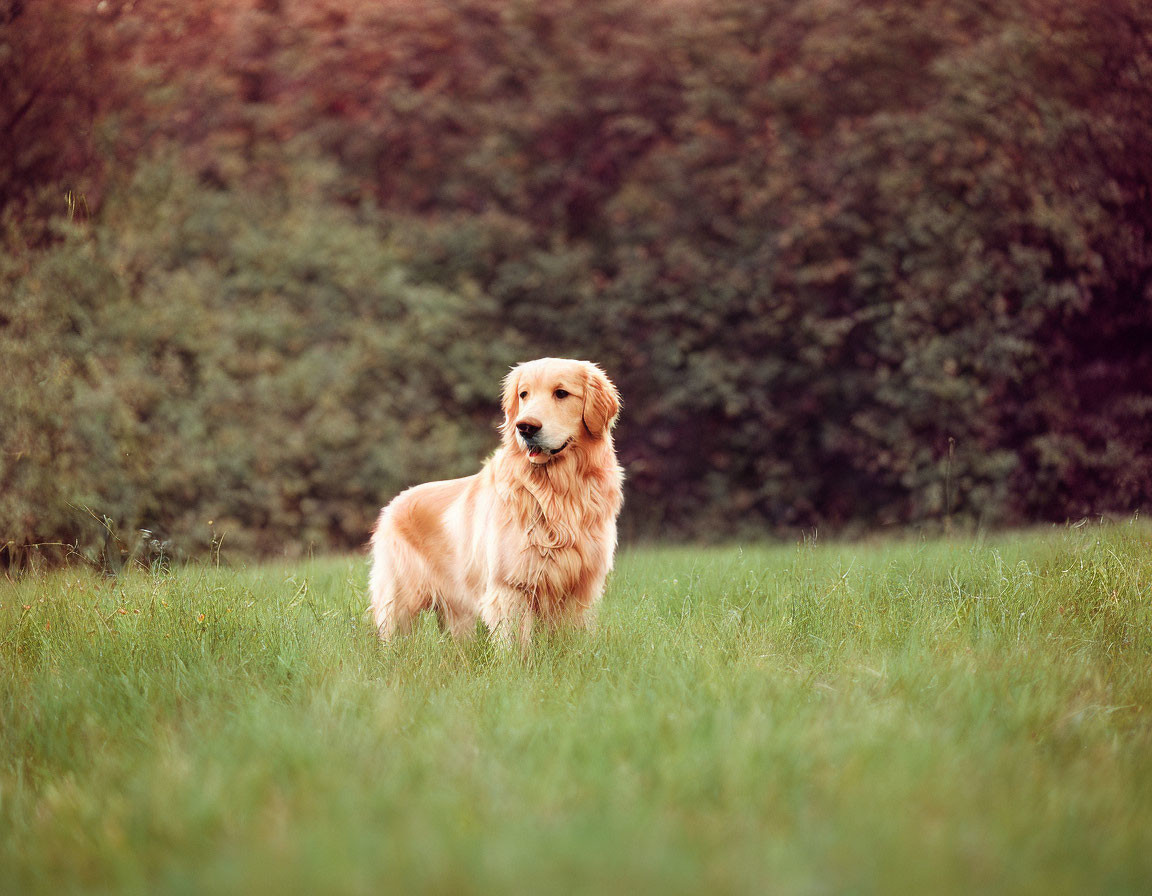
{"x": 529, "y": 538}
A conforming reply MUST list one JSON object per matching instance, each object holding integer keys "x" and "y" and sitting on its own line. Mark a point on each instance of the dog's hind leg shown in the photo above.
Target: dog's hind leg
{"x": 394, "y": 594}
{"x": 390, "y": 611}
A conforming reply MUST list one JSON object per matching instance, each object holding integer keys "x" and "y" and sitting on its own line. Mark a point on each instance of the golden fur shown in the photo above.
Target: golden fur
{"x": 531, "y": 537}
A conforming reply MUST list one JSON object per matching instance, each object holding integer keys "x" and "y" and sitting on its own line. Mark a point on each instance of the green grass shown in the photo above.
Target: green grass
{"x": 945, "y": 717}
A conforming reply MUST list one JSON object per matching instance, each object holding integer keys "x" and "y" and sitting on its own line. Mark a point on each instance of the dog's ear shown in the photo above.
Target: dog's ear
{"x": 601, "y": 402}
{"x": 510, "y": 398}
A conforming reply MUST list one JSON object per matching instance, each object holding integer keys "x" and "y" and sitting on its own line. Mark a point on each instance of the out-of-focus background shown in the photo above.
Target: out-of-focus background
{"x": 853, "y": 265}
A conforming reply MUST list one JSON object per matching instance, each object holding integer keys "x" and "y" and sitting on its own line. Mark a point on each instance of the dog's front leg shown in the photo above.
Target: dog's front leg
{"x": 508, "y": 614}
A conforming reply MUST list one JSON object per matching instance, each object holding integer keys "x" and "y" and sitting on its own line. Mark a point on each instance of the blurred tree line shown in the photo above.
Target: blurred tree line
{"x": 852, "y": 262}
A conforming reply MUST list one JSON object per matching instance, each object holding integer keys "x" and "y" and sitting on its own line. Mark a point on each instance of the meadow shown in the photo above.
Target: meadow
{"x": 947, "y": 716}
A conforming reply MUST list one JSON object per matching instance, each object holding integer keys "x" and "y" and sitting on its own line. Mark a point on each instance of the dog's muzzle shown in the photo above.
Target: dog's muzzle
{"x": 535, "y": 449}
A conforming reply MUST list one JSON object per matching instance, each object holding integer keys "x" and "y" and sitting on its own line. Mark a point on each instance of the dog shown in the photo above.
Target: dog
{"x": 531, "y": 537}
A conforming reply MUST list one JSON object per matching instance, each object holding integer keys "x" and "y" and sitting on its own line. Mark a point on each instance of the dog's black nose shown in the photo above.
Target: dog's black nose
{"x": 527, "y": 429}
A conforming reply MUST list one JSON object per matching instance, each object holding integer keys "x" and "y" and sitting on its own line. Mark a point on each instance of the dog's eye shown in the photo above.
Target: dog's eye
{"x": 524, "y": 394}
{"x": 560, "y": 393}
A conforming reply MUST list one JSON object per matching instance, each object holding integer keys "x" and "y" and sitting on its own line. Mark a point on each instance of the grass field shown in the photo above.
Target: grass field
{"x": 910, "y": 717}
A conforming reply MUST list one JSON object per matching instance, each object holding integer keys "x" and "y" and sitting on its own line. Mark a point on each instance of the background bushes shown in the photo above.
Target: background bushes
{"x": 852, "y": 264}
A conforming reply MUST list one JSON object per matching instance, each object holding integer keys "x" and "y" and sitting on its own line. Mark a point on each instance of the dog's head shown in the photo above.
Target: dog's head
{"x": 553, "y": 403}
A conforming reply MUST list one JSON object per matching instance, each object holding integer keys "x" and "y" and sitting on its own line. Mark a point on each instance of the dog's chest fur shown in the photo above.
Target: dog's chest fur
{"x": 556, "y": 508}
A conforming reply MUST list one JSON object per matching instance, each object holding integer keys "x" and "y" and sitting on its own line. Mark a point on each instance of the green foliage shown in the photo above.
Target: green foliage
{"x": 859, "y": 264}
{"x": 932, "y": 716}
{"x": 223, "y": 362}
